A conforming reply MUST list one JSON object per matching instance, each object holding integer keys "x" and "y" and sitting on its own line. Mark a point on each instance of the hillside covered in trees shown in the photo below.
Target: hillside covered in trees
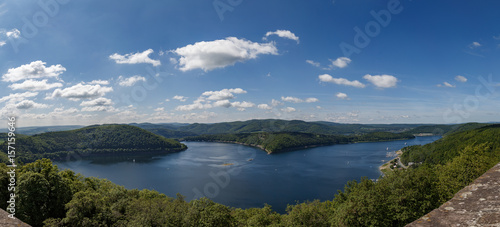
{"x": 53, "y": 197}
{"x": 287, "y": 141}
{"x": 92, "y": 140}
{"x": 450, "y": 146}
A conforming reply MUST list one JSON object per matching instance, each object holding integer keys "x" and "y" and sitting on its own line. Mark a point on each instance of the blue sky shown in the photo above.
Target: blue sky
{"x": 348, "y": 61}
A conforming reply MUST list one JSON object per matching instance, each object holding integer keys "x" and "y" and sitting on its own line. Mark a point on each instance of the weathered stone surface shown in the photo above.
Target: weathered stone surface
{"x": 5, "y": 221}
{"x": 475, "y": 205}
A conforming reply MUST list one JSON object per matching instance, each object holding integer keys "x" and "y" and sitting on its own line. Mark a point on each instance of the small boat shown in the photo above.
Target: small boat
{"x": 387, "y": 149}
{"x": 250, "y": 160}
{"x": 133, "y": 160}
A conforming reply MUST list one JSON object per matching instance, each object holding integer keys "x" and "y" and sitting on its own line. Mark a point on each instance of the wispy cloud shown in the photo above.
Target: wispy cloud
{"x": 340, "y": 81}
{"x": 135, "y": 58}
{"x": 283, "y": 34}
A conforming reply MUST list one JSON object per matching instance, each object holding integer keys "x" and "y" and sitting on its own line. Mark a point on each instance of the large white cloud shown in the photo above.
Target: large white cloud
{"x": 283, "y": 34}
{"x": 33, "y": 70}
{"x": 130, "y": 81}
{"x": 223, "y": 94}
{"x": 28, "y": 104}
{"x": 81, "y": 91}
{"x": 135, "y": 58}
{"x": 340, "y": 81}
{"x": 35, "y": 85}
{"x": 209, "y": 55}
{"x": 382, "y": 81}
{"x": 341, "y": 62}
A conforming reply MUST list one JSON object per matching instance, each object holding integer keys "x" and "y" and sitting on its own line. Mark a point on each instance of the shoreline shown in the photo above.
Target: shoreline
{"x": 386, "y": 165}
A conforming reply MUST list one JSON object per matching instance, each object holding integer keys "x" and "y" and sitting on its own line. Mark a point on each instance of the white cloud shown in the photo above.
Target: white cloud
{"x": 2, "y": 43}
{"x": 291, "y": 99}
{"x": 223, "y": 94}
{"x": 14, "y": 33}
{"x": 28, "y": 104}
{"x": 341, "y": 95}
{"x": 461, "y": 79}
{"x": 243, "y": 105}
{"x": 128, "y": 82}
{"x": 264, "y": 107}
{"x": 340, "y": 81}
{"x": 220, "y": 53}
{"x": 341, "y": 62}
{"x": 180, "y": 98}
{"x": 81, "y": 91}
{"x": 101, "y": 82}
{"x": 35, "y": 85}
{"x": 309, "y": 100}
{"x": 288, "y": 109}
{"x": 223, "y": 103}
{"x": 34, "y": 70}
{"x": 98, "y": 102}
{"x": 446, "y": 84}
{"x": 382, "y": 81}
{"x": 283, "y": 34}
{"x": 313, "y": 63}
{"x": 16, "y": 97}
{"x": 135, "y": 58}
{"x": 474, "y": 45}
{"x": 297, "y": 100}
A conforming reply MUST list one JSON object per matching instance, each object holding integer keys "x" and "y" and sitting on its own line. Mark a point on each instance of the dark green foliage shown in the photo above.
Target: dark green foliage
{"x": 271, "y": 126}
{"x": 92, "y": 140}
{"x": 451, "y": 145}
{"x": 287, "y": 141}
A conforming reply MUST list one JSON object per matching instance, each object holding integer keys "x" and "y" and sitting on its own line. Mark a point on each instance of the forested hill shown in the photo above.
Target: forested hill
{"x": 450, "y": 146}
{"x": 92, "y": 140}
{"x": 287, "y": 141}
{"x": 271, "y": 126}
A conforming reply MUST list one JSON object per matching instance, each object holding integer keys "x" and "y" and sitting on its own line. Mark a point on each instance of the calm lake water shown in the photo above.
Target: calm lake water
{"x": 244, "y": 177}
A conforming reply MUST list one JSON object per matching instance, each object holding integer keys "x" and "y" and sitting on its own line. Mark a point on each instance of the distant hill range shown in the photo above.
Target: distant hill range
{"x": 182, "y": 130}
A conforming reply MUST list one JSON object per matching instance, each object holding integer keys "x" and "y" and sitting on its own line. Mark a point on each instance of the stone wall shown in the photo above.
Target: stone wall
{"x": 475, "y": 205}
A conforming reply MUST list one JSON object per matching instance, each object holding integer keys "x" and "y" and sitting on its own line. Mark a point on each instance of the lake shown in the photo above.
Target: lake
{"x": 241, "y": 176}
